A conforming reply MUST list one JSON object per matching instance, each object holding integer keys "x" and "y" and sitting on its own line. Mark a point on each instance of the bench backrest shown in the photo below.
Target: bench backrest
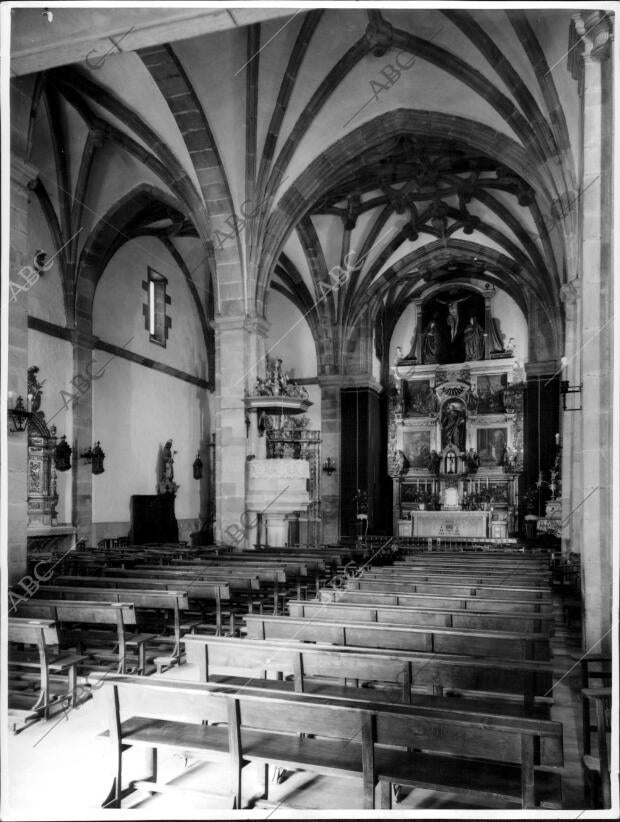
{"x": 506, "y": 645}
{"x": 243, "y": 579}
{"x": 149, "y": 596}
{"x": 400, "y": 614}
{"x": 486, "y": 736}
{"x": 404, "y": 597}
{"x": 262, "y": 659}
{"x": 496, "y": 592}
{"x": 64, "y": 610}
{"x": 477, "y": 578}
{"x": 32, "y": 631}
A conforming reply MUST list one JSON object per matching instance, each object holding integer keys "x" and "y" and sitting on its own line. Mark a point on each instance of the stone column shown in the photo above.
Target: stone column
{"x": 593, "y": 29}
{"x": 82, "y": 407}
{"x": 239, "y": 357}
{"x": 572, "y": 470}
{"x": 330, "y": 447}
{"x": 23, "y": 176}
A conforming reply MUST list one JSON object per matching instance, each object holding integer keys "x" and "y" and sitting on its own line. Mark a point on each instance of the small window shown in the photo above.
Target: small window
{"x": 157, "y": 323}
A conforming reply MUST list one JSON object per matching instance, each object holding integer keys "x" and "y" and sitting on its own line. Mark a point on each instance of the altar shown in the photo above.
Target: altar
{"x": 448, "y": 524}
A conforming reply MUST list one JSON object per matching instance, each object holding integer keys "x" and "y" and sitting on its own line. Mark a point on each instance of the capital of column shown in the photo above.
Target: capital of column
{"x": 570, "y": 292}
{"x": 595, "y": 30}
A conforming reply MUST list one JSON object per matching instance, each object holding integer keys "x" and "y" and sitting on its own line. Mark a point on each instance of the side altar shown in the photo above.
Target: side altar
{"x": 455, "y": 448}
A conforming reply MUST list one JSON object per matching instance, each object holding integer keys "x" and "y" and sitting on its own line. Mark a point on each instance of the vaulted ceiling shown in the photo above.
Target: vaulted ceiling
{"x": 405, "y": 141}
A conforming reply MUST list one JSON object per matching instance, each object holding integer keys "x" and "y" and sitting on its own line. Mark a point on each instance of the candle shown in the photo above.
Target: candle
{"x": 557, "y": 439}
{"x": 487, "y": 482}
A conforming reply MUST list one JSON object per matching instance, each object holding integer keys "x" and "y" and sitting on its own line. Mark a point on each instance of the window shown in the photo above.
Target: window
{"x": 157, "y": 323}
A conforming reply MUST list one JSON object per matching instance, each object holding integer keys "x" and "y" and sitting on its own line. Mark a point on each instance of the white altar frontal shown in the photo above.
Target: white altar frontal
{"x": 447, "y": 524}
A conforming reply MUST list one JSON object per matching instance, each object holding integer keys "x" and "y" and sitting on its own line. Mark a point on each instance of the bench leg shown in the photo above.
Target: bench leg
{"x": 386, "y": 796}
{"x": 72, "y": 685}
{"x": 263, "y": 774}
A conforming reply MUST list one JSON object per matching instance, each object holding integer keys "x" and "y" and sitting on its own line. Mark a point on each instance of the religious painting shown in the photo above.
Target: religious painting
{"x": 417, "y": 448}
{"x": 492, "y": 446}
{"x": 491, "y": 389}
{"x": 418, "y": 398}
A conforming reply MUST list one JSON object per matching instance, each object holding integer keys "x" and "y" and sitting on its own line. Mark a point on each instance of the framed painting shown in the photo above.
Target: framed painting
{"x": 418, "y": 398}
{"x": 491, "y": 444}
{"x": 491, "y": 393}
{"x": 417, "y": 448}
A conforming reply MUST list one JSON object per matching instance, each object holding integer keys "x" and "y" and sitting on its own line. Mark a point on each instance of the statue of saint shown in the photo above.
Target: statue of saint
{"x": 472, "y": 460}
{"x": 168, "y": 470}
{"x": 453, "y": 314}
{"x": 433, "y": 462}
{"x": 473, "y": 337}
{"x": 430, "y": 343}
{"x": 453, "y": 425}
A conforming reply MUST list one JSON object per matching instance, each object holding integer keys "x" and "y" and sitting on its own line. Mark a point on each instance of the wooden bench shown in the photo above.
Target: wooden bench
{"x": 117, "y": 614}
{"x": 495, "y": 592}
{"x": 403, "y": 597}
{"x": 48, "y": 663}
{"x": 596, "y": 766}
{"x": 505, "y": 644}
{"x": 499, "y": 758}
{"x": 191, "y": 591}
{"x": 412, "y": 672}
{"x": 401, "y": 614}
{"x": 469, "y": 577}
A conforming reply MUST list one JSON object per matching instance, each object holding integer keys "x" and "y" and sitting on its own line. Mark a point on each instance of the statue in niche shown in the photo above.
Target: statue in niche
{"x": 434, "y": 461}
{"x": 453, "y": 424}
{"x": 472, "y": 461}
{"x": 453, "y": 314}
{"x": 450, "y": 462}
{"x": 431, "y": 343}
{"x": 473, "y": 337}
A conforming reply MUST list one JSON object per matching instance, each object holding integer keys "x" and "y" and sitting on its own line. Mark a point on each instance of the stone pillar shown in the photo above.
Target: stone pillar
{"x": 23, "y": 176}
{"x": 571, "y": 468}
{"x": 239, "y": 354}
{"x": 82, "y": 440}
{"x": 330, "y": 447}
{"x": 596, "y": 529}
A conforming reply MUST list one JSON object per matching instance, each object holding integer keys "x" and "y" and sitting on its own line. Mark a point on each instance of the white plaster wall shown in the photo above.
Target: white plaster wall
{"x": 290, "y": 337}
{"x": 45, "y": 299}
{"x": 135, "y": 410}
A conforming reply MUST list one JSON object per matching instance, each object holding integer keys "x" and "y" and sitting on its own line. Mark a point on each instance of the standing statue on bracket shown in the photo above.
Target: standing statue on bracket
{"x": 473, "y": 337}
{"x": 167, "y": 485}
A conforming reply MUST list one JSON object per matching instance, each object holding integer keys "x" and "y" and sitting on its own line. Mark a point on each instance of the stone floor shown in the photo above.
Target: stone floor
{"x": 61, "y": 767}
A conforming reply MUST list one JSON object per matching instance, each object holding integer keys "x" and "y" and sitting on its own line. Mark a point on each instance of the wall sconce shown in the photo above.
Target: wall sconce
{"x": 329, "y": 466}
{"x": 197, "y": 467}
{"x": 17, "y": 415}
{"x": 95, "y": 457}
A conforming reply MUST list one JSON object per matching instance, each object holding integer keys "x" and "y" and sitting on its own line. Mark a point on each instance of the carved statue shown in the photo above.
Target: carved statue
{"x": 430, "y": 343}
{"x": 34, "y": 388}
{"x": 403, "y": 463}
{"x": 453, "y": 425}
{"x": 453, "y": 314}
{"x": 434, "y": 461}
{"x": 167, "y": 485}
{"x": 473, "y": 337}
{"x": 97, "y": 459}
{"x": 472, "y": 460}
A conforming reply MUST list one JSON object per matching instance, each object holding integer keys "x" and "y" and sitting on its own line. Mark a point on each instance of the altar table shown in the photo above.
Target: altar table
{"x": 450, "y": 523}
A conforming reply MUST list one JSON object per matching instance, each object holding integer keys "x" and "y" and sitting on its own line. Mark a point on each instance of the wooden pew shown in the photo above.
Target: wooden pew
{"x": 597, "y": 766}
{"x": 404, "y": 597}
{"x": 413, "y": 578}
{"x": 505, "y": 644}
{"x": 498, "y": 757}
{"x": 48, "y": 663}
{"x": 494, "y": 591}
{"x": 220, "y": 658}
{"x": 400, "y": 614}
{"x": 119, "y": 615}
{"x": 149, "y": 594}
{"x": 144, "y": 595}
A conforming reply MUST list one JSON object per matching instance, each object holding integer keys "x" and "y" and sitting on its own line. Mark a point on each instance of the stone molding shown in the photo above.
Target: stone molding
{"x": 23, "y": 173}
